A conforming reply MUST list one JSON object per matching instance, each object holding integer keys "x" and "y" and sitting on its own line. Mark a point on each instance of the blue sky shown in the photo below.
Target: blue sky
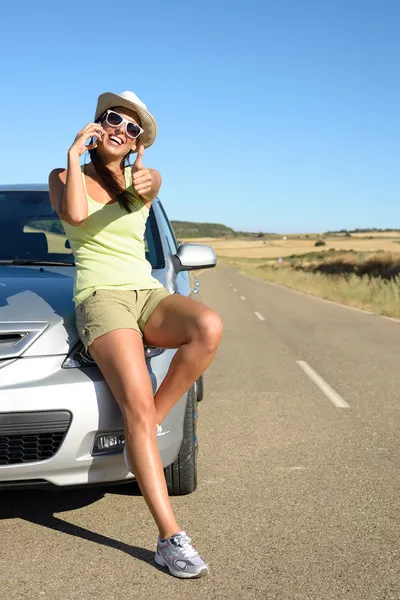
{"x": 273, "y": 115}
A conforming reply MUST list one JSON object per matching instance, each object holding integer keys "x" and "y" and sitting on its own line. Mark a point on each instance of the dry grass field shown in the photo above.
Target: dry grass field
{"x": 241, "y": 248}
{"x": 358, "y": 271}
{"x": 378, "y": 234}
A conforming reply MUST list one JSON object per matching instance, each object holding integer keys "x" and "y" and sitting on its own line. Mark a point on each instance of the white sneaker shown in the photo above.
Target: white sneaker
{"x": 125, "y": 454}
{"x": 178, "y": 555}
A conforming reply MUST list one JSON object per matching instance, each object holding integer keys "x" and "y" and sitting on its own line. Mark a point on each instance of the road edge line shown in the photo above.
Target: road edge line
{"x": 361, "y": 310}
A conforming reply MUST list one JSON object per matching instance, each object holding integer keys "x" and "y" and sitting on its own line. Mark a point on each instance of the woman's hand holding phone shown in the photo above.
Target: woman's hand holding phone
{"x": 92, "y": 130}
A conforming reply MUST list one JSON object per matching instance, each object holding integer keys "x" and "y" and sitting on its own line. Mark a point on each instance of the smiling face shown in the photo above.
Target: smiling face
{"x": 115, "y": 142}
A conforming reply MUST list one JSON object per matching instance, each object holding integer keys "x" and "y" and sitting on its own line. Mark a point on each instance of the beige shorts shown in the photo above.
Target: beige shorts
{"x": 106, "y": 310}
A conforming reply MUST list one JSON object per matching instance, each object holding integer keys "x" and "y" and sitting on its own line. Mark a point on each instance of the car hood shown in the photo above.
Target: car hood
{"x": 36, "y": 305}
{"x": 37, "y": 313}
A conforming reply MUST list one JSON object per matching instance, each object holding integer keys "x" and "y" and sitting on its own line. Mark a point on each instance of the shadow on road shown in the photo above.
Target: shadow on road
{"x": 39, "y": 507}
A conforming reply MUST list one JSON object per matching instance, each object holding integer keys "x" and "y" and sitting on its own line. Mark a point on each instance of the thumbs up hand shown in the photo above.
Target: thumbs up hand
{"x": 142, "y": 179}
{"x": 138, "y": 162}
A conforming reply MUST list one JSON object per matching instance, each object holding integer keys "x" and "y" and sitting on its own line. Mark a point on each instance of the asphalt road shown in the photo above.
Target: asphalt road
{"x": 298, "y": 497}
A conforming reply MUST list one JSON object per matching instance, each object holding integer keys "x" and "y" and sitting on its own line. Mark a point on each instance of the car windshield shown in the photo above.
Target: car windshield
{"x": 31, "y": 232}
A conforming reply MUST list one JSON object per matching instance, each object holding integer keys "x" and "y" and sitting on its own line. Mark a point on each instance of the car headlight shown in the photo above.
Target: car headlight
{"x": 80, "y": 359}
{"x": 151, "y": 351}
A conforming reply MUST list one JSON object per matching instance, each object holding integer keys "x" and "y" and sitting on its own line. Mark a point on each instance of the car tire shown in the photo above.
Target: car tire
{"x": 200, "y": 388}
{"x": 181, "y": 475}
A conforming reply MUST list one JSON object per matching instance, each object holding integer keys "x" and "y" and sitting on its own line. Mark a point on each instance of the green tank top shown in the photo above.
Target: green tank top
{"x": 109, "y": 247}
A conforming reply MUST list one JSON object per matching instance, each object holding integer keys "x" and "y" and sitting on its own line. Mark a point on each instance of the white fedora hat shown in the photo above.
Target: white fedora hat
{"x": 131, "y": 101}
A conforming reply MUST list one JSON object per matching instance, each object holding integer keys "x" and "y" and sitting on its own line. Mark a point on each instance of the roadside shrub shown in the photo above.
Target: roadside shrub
{"x": 320, "y": 243}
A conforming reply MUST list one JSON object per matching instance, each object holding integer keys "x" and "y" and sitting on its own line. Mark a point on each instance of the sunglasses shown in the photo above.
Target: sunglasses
{"x": 133, "y": 130}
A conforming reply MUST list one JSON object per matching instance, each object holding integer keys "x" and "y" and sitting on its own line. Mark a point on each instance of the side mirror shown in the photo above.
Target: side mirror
{"x": 194, "y": 256}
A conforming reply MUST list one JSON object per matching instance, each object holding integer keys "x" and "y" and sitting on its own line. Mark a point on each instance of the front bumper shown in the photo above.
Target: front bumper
{"x": 40, "y": 384}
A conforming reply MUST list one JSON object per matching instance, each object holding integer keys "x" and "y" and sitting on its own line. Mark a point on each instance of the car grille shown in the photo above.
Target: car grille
{"x": 31, "y": 436}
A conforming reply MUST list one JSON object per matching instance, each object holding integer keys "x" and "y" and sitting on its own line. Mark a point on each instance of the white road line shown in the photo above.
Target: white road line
{"x": 259, "y": 316}
{"x": 230, "y": 284}
{"x": 243, "y": 298}
{"x": 323, "y": 386}
{"x": 234, "y": 289}
{"x": 279, "y": 285}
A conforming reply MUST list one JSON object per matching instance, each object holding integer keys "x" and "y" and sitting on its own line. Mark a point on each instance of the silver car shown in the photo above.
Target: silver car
{"x": 59, "y": 423}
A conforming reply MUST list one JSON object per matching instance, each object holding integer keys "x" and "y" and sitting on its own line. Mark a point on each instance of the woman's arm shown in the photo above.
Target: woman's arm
{"x": 146, "y": 182}
{"x": 67, "y": 192}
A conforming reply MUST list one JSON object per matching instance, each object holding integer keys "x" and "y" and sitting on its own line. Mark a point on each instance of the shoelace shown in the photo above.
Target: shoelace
{"x": 183, "y": 541}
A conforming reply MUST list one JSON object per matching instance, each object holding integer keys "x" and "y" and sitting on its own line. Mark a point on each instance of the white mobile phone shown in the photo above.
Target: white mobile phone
{"x": 95, "y": 139}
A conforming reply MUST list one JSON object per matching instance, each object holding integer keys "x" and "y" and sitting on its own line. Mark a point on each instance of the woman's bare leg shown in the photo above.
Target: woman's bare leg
{"x": 120, "y": 357}
{"x": 193, "y": 328}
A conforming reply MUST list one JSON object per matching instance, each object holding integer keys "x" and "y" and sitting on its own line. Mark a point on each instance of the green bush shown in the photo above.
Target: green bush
{"x": 320, "y": 243}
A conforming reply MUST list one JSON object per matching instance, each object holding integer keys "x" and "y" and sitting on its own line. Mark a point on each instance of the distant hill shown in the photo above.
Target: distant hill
{"x": 370, "y": 230}
{"x": 186, "y": 229}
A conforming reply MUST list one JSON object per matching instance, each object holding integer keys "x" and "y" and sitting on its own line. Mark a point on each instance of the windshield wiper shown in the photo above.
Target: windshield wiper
{"x": 29, "y": 262}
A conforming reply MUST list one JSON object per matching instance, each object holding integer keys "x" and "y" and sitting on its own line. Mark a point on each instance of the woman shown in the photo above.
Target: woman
{"x": 104, "y": 207}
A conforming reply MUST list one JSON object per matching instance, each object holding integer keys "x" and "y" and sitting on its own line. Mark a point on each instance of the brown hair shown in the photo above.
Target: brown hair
{"x": 112, "y": 184}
